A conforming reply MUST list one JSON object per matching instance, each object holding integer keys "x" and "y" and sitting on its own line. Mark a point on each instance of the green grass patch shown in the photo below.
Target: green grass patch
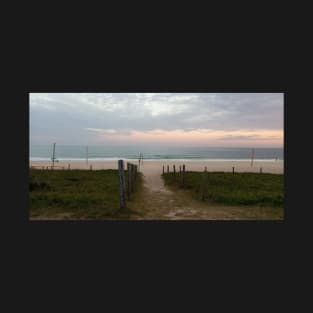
{"x": 77, "y": 193}
{"x": 252, "y": 189}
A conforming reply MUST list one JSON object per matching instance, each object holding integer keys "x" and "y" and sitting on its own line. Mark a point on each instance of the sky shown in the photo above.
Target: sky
{"x": 183, "y": 119}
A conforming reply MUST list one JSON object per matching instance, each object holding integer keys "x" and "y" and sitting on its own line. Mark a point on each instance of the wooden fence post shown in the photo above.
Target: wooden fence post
{"x": 135, "y": 171}
{"x": 252, "y": 156}
{"x": 163, "y": 169}
{"x": 183, "y": 175}
{"x": 121, "y": 182}
{"x": 233, "y": 169}
{"x": 174, "y": 170}
{"x": 69, "y": 166}
{"x": 128, "y": 180}
{"x": 168, "y": 169}
{"x": 260, "y": 170}
{"x": 53, "y": 157}
{"x": 91, "y": 167}
{"x": 132, "y": 177}
{"x": 203, "y": 184}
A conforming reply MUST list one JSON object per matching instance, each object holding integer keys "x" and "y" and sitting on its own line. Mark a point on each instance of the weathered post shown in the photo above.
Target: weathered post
{"x": 53, "y": 156}
{"x": 260, "y": 170}
{"x": 174, "y": 171}
{"x": 233, "y": 170}
{"x": 132, "y": 177}
{"x": 203, "y": 184}
{"x": 183, "y": 175}
{"x": 128, "y": 180}
{"x": 121, "y": 181}
{"x": 168, "y": 169}
{"x": 163, "y": 169}
{"x": 90, "y": 167}
{"x": 69, "y": 166}
{"x": 252, "y": 156}
{"x": 135, "y": 172}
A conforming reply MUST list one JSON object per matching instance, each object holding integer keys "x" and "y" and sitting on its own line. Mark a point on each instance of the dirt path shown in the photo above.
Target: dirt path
{"x": 157, "y": 202}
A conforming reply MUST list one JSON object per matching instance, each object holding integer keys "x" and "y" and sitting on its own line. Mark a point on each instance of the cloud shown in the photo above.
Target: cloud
{"x": 247, "y": 137}
{"x": 99, "y": 130}
{"x": 74, "y": 117}
{"x": 109, "y": 131}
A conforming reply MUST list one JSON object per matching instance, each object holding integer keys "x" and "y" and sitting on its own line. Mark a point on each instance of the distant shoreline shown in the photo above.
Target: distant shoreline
{"x": 38, "y": 159}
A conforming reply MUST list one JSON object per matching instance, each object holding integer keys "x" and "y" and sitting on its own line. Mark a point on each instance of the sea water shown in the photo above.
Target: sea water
{"x": 103, "y": 153}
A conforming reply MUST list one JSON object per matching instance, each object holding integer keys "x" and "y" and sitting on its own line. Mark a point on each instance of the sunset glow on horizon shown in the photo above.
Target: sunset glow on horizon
{"x": 270, "y": 138}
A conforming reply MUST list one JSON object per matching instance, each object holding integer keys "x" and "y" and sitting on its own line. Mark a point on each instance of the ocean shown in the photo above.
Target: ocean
{"x": 103, "y": 153}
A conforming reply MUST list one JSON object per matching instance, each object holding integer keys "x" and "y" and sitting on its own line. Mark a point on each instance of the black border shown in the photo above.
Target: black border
{"x": 247, "y": 236}
{"x": 220, "y": 50}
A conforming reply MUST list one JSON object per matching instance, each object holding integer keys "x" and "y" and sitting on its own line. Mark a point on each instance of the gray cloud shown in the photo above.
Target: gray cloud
{"x": 69, "y": 116}
{"x": 248, "y": 137}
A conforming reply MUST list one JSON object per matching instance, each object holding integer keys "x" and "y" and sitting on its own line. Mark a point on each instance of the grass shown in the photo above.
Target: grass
{"x": 77, "y": 194}
{"x": 253, "y": 189}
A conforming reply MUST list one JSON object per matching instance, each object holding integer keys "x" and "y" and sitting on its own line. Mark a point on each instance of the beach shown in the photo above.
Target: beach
{"x": 227, "y": 151}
